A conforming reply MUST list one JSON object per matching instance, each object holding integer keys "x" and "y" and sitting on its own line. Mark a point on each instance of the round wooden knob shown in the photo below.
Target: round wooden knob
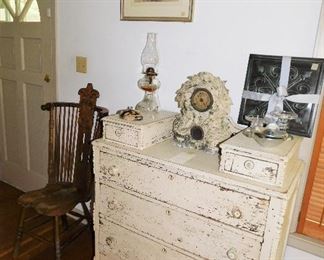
{"x": 249, "y": 165}
{"x": 109, "y": 241}
{"x": 231, "y": 254}
{"x": 118, "y": 132}
{"x": 111, "y": 205}
{"x": 112, "y": 170}
{"x": 236, "y": 213}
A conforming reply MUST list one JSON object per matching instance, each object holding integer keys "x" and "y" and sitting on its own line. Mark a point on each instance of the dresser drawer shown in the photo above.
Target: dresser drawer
{"x": 124, "y": 135}
{"x": 203, "y": 237}
{"x": 262, "y": 170}
{"x": 158, "y": 181}
{"x": 244, "y": 157}
{"x": 116, "y": 242}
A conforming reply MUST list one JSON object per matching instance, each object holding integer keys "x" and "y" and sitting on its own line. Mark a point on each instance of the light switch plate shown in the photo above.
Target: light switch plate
{"x": 81, "y": 64}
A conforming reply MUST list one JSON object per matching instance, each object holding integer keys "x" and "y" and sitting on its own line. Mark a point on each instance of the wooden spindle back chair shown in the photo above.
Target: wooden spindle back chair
{"x": 72, "y": 127}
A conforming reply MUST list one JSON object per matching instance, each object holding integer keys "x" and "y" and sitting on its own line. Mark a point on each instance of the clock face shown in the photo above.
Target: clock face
{"x": 201, "y": 99}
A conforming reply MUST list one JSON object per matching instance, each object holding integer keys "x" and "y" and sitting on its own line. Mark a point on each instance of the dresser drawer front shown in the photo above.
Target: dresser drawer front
{"x": 157, "y": 181}
{"x": 205, "y": 238}
{"x": 116, "y": 242}
{"x": 262, "y": 170}
{"x": 122, "y": 134}
{"x": 139, "y": 134}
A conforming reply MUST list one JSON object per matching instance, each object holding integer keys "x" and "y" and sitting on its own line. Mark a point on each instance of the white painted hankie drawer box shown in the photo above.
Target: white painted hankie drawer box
{"x": 153, "y": 129}
{"x": 243, "y": 156}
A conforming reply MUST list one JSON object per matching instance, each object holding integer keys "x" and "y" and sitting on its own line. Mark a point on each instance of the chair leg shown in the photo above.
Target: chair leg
{"x": 90, "y": 224}
{"x": 65, "y": 222}
{"x": 57, "y": 238}
{"x": 87, "y": 215}
{"x": 19, "y": 232}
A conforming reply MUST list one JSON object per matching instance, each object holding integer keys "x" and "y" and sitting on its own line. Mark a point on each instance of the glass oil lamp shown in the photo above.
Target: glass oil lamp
{"x": 149, "y": 82}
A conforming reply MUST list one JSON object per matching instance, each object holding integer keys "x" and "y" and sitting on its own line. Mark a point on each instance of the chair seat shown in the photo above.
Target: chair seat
{"x": 53, "y": 200}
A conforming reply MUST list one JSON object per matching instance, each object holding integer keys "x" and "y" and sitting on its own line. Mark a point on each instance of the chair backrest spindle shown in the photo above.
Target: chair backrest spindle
{"x": 72, "y": 127}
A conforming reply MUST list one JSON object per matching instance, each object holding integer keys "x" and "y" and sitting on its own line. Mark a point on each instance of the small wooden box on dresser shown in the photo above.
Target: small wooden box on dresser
{"x": 159, "y": 201}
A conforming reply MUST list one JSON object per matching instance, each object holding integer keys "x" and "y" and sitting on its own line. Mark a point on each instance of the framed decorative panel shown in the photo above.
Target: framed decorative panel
{"x": 156, "y": 10}
{"x": 305, "y": 77}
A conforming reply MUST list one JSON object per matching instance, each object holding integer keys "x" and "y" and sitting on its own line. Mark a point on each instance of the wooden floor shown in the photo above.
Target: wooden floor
{"x": 80, "y": 249}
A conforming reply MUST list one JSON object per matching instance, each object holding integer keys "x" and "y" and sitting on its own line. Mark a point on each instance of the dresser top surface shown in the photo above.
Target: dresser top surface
{"x": 148, "y": 118}
{"x": 199, "y": 161}
{"x": 241, "y": 142}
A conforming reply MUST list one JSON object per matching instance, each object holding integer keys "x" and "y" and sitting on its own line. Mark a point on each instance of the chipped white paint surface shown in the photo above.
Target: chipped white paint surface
{"x": 153, "y": 129}
{"x": 165, "y": 202}
{"x": 190, "y": 232}
{"x": 116, "y": 242}
{"x": 166, "y": 184}
{"x": 272, "y": 165}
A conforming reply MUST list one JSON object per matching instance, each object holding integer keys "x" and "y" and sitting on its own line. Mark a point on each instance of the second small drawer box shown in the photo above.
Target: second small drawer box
{"x": 243, "y": 156}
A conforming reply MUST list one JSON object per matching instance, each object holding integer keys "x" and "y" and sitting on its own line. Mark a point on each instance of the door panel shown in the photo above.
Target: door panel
{"x": 10, "y": 98}
{"x": 7, "y": 56}
{"x": 26, "y": 56}
{"x": 36, "y": 134}
{"x": 31, "y": 51}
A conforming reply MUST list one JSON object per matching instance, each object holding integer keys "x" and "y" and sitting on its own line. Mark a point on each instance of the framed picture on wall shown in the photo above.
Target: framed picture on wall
{"x": 156, "y": 10}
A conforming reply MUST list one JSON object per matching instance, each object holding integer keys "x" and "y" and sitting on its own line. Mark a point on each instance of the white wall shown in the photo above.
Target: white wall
{"x": 219, "y": 40}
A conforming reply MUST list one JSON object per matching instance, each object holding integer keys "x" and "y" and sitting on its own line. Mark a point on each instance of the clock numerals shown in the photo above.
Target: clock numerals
{"x": 201, "y": 100}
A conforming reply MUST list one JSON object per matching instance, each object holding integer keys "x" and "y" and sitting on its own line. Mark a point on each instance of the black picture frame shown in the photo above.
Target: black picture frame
{"x": 263, "y": 75}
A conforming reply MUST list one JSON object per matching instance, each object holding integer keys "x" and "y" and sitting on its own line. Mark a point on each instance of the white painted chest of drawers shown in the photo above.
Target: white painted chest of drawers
{"x": 165, "y": 202}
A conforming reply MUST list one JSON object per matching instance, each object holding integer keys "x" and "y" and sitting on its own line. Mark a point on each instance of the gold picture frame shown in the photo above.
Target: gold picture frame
{"x": 156, "y": 10}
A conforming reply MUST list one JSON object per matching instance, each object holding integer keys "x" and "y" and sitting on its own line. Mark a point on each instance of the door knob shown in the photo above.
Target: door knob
{"x": 47, "y": 78}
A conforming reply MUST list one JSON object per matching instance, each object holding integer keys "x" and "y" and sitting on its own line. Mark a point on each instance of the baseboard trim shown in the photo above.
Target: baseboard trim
{"x": 307, "y": 244}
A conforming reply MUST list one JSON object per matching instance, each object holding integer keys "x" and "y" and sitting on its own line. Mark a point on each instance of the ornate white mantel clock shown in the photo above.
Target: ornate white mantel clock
{"x": 204, "y": 121}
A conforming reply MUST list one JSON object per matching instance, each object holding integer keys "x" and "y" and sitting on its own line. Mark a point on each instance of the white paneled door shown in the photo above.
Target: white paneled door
{"x": 26, "y": 82}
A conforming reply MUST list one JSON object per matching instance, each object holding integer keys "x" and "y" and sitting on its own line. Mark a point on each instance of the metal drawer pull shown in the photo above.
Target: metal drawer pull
{"x": 231, "y": 253}
{"x": 236, "y": 213}
{"x": 109, "y": 241}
